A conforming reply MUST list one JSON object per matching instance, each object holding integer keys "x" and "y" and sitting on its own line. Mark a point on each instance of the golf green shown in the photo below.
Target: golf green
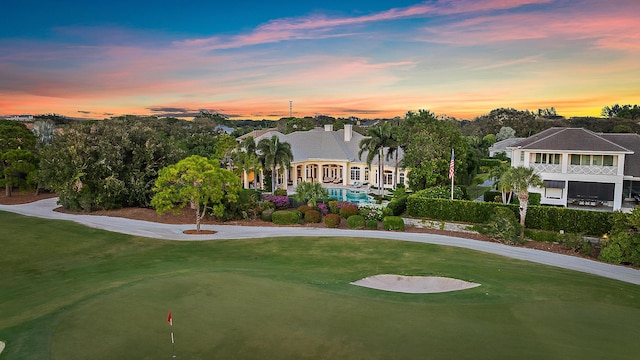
{"x": 70, "y": 292}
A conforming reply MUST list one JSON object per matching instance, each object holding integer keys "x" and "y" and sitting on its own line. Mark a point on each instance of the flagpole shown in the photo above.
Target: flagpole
{"x": 451, "y": 171}
{"x": 173, "y": 344}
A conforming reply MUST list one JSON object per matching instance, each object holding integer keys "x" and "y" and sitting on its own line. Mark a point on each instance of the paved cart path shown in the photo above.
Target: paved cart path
{"x": 44, "y": 209}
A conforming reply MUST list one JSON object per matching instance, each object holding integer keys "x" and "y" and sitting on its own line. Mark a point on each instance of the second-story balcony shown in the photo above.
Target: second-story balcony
{"x": 547, "y": 168}
{"x": 592, "y": 170}
{"x": 575, "y": 169}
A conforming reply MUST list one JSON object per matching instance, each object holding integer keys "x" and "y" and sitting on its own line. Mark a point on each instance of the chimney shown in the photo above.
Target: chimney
{"x": 348, "y": 132}
{"x": 328, "y": 127}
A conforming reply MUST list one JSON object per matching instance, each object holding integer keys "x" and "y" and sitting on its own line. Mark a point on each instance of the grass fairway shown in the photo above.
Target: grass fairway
{"x": 71, "y": 292}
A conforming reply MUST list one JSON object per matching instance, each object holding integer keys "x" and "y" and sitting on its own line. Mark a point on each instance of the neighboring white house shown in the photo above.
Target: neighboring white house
{"x": 582, "y": 168}
{"x": 331, "y": 157}
{"x": 502, "y": 146}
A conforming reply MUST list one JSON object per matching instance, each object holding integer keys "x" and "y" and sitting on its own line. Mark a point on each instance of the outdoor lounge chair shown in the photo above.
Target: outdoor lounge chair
{"x": 327, "y": 179}
{"x": 337, "y": 181}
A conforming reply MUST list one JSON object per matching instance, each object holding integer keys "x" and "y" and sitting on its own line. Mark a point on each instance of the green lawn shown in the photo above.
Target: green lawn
{"x": 70, "y": 292}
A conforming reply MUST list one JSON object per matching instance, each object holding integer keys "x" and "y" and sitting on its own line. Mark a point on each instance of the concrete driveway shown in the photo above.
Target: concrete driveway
{"x": 44, "y": 209}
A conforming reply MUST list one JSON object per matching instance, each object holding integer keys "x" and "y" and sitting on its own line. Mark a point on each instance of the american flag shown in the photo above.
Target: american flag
{"x": 451, "y": 166}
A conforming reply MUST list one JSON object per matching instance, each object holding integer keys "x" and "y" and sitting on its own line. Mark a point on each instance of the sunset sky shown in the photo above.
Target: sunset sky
{"x": 370, "y": 59}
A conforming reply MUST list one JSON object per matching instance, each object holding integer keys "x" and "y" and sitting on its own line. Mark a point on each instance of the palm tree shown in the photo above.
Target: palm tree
{"x": 521, "y": 178}
{"x": 374, "y": 143}
{"x": 252, "y": 161}
{"x": 393, "y": 150}
{"x": 310, "y": 193}
{"x": 275, "y": 154}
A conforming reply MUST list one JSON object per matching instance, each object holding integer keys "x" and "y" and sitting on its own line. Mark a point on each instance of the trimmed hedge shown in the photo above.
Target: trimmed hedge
{"x": 393, "y": 223}
{"x": 490, "y": 195}
{"x": 312, "y": 216}
{"x": 355, "y": 222}
{"x": 490, "y": 162}
{"x": 371, "y": 224}
{"x": 538, "y": 217}
{"x": 286, "y": 217}
{"x": 267, "y": 215}
{"x": 348, "y": 210}
{"x": 398, "y": 205}
{"x": 332, "y": 220}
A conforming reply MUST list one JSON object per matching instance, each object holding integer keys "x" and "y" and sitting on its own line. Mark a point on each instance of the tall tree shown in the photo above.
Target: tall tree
{"x": 427, "y": 143}
{"x": 521, "y": 178}
{"x": 374, "y": 143}
{"x": 195, "y": 181}
{"x": 14, "y": 136}
{"x": 275, "y": 154}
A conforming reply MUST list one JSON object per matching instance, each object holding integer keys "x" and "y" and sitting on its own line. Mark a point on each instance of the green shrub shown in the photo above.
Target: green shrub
{"x": 490, "y": 162}
{"x": 333, "y": 206}
{"x": 267, "y": 215}
{"x": 442, "y": 192}
{"x": 332, "y": 220}
{"x": 355, "y": 222}
{"x": 286, "y": 217}
{"x": 543, "y": 236}
{"x": 398, "y": 205}
{"x": 534, "y": 199}
{"x": 577, "y": 243}
{"x": 622, "y": 248}
{"x": 538, "y": 217}
{"x": 280, "y": 192}
{"x": 312, "y": 216}
{"x": 348, "y": 210}
{"x": 371, "y": 224}
{"x": 304, "y": 208}
{"x": 503, "y": 226}
{"x": 393, "y": 223}
{"x": 491, "y": 196}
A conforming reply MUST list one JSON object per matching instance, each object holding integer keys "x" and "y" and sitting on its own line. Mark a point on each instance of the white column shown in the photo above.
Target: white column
{"x": 245, "y": 179}
{"x": 617, "y": 195}
{"x": 565, "y": 163}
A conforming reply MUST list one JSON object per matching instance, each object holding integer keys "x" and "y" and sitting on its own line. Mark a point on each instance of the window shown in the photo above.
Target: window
{"x": 355, "y": 173}
{"x": 607, "y": 160}
{"x": 575, "y": 159}
{"x": 593, "y": 160}
{"x": 521, "y": 156}
{"x": 585, "y": 160}
{"x": 401, "y": 178}
{"x": 366, "y": 174}
{"x": 542, "y": 158}
{"x": 388, "y": 177}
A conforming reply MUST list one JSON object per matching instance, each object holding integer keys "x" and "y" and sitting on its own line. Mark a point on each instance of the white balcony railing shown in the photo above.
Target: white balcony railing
{"x": 592, "y": 170}
{"x": 547, "y": 168}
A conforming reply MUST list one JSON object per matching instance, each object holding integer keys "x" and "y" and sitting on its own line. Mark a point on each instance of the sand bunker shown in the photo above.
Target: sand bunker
{"x": 414, "y": 284}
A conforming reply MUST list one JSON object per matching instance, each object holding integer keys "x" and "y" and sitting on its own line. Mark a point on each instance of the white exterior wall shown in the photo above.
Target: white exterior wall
{"x": 564, "y": 174}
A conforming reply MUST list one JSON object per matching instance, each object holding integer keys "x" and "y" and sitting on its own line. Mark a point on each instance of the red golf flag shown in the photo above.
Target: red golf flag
{"x": 170, "y": 319}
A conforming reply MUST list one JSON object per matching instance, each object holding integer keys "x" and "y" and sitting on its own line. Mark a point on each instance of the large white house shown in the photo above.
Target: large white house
{"x": 582, "y": 168}
{"x": 331, "y": 157}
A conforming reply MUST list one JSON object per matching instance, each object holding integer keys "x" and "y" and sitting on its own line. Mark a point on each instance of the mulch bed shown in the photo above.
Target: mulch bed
{"x": 187, "y": 216}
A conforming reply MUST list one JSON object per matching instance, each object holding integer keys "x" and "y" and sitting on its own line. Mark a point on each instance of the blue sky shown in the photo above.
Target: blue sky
{"x": 462, "y": 58}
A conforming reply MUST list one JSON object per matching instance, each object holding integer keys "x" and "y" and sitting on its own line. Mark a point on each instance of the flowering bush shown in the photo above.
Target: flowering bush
{"x": 335, "y": 206}
{"x": 371, "y": 212}
{"x": 281, "y": 202}
{"x": 323, "y": 208}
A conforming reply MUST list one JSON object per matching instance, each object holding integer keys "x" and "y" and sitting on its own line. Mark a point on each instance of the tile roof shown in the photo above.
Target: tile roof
{"x": 319, "y": 144}
{"x": 570, "y": 139}
{"x": 631, "y": 142}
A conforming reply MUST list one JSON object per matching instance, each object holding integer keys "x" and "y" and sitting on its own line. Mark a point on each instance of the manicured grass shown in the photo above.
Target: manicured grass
{"x": 70, "y": 292}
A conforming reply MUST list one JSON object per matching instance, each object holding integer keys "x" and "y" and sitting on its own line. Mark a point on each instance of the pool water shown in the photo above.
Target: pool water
{"x": 357, "y": 196}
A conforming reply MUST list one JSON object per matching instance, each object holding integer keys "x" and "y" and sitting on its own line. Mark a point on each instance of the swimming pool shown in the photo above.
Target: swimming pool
{"x": 357, "y": 196}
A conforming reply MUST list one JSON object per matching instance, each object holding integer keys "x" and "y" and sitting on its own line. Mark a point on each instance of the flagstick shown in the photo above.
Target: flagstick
{"x": 173, "y": 344}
